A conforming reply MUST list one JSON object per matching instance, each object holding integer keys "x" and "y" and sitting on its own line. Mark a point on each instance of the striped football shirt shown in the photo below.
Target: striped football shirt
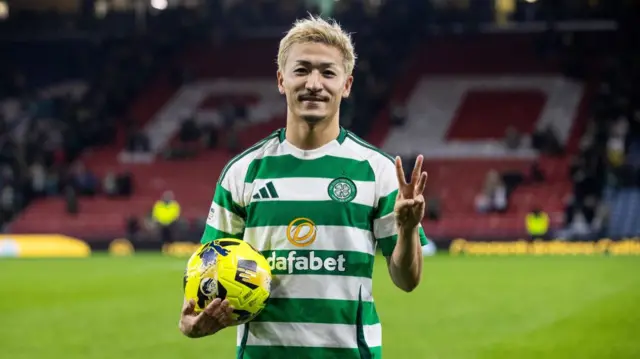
{"x": 318, "y": 216}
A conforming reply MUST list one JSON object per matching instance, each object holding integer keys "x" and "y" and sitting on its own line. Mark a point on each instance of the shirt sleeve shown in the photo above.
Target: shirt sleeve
{"x": 384, "y": 227}
{"x": 227, "y": 216}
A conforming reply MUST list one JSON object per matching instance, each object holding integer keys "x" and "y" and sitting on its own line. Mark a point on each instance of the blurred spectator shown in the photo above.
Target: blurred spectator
{"x": 227, "y": 112}
{"x": 137, "y": 141}
{"x": 536, "y": 175}
{"x": 110, "y": 184}
{"x": 433, "y": 209}
{"x": 52, "y": 186}
{"x": 189, "y": 131}
{"x": 188, "y": 143}
{"x": 537, "y": 224}
{"x": 124, "y": 183}
{"x": 587, "y": 176}
{"x": 398, "y": 114}
{"x": 232, "y": 139}
{"x": 38, "y": 176}
{"x": 71, "y": 200}
{"x": 84, "y": 180}
{"x": 210, "y": 136}
{"x": 616, "y": 142}
{"x": 599, "y": 225}
{"x": 133, "y": 228}
{"x": 493, "y": 197}
{"x": 8, "y": 201}
{"x": 584, "y": 219}
{"x": 512, "y": 138}
{"x": 166, "y": 213}
{"x": 546, "y": 141}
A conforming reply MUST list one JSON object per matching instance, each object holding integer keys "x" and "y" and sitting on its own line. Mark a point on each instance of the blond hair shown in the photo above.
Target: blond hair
{"x": 317, "y": 30}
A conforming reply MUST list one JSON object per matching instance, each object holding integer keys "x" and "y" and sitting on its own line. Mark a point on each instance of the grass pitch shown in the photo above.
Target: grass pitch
{"x": 467, "y": 307}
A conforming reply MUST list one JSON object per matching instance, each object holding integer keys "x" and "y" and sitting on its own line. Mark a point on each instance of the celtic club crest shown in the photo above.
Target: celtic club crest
{"x": 342, "y": 190}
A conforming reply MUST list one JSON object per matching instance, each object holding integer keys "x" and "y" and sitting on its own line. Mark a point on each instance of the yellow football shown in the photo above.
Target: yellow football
{"x": 229, "y": 269}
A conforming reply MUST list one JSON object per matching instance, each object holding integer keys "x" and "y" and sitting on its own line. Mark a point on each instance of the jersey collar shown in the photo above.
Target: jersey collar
{"x": 341, "y": 136}
{"x": 315, "y": 153}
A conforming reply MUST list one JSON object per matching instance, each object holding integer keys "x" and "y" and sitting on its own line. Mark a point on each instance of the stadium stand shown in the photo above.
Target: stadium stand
{"x": 518, "y": 104}
{"x": 457, "y": 114}
{"x": 209, "y": 82}
{"x": 62, "y": 104}
{"x": 604, "y": 170}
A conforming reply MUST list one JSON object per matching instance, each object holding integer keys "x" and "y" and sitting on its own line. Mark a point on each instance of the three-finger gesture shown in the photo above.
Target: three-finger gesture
{"x": 409, "y": 208}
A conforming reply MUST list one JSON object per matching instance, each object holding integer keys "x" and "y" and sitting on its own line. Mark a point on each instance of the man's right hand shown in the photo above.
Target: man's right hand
{"x": 216, "y": 316}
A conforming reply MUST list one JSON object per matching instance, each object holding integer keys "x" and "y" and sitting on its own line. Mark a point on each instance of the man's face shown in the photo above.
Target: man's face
{"x": 314, "y": 81}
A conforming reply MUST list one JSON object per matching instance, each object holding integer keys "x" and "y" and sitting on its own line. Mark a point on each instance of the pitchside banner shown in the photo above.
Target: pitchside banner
{"x": 124, "y": 247}
{"x": 604, "y": 246}
{"x": 43, "y": 246}
{"x": 50, "y": 246}
{"x": 454, "y": 247}
{"x": 630, "y": 246}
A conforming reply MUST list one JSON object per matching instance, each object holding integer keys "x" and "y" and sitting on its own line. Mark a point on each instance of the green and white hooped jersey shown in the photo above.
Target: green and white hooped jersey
{"x": 318, "y": 217}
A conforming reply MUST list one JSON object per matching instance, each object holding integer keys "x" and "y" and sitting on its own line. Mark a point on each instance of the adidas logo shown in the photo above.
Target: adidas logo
{"x": 267, "y": 191}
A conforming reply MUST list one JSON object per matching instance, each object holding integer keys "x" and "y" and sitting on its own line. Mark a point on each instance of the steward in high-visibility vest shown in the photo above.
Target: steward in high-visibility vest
{"x": 166, "y": 212}
{"x": 537, "y": 223}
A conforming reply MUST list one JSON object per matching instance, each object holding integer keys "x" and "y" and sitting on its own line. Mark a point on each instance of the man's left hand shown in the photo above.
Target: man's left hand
{"x": 410, "y": 205}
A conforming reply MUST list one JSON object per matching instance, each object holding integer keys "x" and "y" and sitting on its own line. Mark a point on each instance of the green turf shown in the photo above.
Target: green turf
{"x": 467, "y": 307}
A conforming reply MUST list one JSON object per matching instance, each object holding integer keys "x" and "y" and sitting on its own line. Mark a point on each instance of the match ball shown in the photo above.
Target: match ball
{"x": 229, "y": 269}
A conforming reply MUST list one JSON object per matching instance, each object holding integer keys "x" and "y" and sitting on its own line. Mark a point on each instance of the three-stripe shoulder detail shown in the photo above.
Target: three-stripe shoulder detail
{"x": 259, "y": 145}
{"x": 368, "y": 146}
